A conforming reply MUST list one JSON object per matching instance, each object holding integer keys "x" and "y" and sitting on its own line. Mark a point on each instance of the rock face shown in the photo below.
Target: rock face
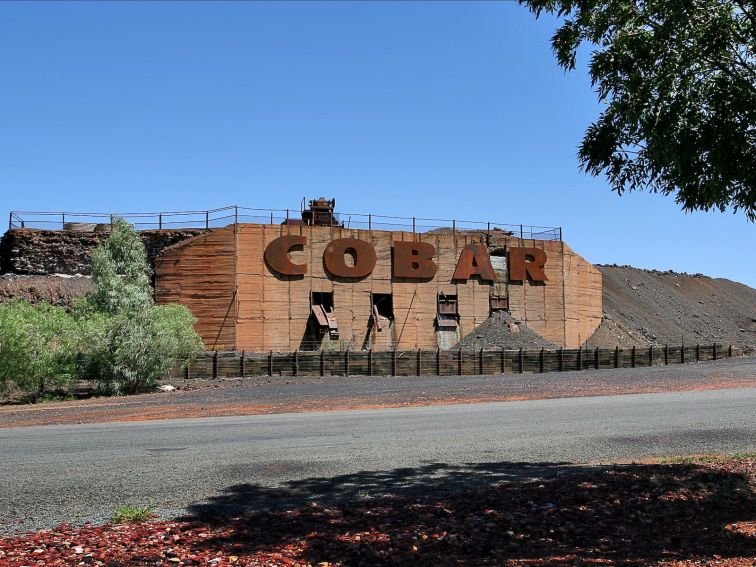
{"x": 649, "y": 307}
{"x": 58, "y": 290}
{"x": 44, "y": 252}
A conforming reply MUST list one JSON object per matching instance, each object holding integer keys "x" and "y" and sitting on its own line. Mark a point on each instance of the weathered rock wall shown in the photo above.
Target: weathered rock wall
{"x": 44, "y": 252}
{"x": 58, "y": 290}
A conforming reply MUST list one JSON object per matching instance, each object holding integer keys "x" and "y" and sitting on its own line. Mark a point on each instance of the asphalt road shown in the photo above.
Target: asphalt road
{"x": 83, "y": 472}
{"x": 264, "y": 395}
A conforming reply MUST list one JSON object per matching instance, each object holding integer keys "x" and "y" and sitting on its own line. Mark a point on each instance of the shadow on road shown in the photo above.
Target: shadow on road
{"x": 491, "y": 513}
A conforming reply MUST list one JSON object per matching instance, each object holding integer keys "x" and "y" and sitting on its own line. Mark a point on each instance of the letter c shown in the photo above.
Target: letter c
{"x": 277, "y": 255}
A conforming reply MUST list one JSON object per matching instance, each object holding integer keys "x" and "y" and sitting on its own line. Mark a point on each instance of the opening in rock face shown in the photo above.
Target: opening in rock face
{"x": 384, "y": 304}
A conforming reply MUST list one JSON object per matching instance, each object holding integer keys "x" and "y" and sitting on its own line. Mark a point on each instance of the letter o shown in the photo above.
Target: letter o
{"x": 364, "y": 258}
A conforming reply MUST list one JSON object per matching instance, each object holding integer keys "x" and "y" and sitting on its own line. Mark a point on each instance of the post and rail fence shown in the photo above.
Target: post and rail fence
{"x": 234, "y": 364}
{"x": 233, "y": 214}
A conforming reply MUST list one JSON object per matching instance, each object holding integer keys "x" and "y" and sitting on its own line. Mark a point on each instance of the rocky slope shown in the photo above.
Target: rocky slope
{"x": 502, "y": 331}
{"x": 58, "y": 290}
{"x": 649, "y": 307}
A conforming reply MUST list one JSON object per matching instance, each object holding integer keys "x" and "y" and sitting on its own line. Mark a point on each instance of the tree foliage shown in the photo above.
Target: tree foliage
{"x": 133, "y": 343}
{"x": 38, "y": 347}
{"x": 678, "y": 78}
{"x": 121, "y": 272}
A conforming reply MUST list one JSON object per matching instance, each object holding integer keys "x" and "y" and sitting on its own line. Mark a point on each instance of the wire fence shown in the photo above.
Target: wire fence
{"x": 224, "y": 216}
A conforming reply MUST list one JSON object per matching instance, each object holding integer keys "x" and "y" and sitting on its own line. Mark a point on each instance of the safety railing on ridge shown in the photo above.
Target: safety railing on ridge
{"x": 224, "y": 216}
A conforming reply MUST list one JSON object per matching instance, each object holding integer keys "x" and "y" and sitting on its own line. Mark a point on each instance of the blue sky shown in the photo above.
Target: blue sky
{"x": 402, "y": 108}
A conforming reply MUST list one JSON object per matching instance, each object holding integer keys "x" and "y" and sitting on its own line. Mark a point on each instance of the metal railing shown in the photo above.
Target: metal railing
{"x": 224, "y": 216}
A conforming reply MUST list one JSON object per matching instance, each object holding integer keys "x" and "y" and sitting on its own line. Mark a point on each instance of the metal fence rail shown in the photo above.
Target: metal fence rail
{"x": 224, "y": 216}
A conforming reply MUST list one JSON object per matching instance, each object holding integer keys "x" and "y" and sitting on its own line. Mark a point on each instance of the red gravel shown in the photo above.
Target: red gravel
{"x": 640, "y": 514}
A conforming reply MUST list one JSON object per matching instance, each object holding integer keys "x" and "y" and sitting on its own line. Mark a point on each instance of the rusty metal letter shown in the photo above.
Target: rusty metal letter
{"x": 527, "y": 263}
{"x": 473, "y": 260}
{"x": 362, "y": 252}
{"x": 414, "y": 260}
{"x": 277, "y": 255}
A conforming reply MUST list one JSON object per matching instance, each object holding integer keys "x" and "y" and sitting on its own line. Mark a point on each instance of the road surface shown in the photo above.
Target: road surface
{"x": 75, "y": 473}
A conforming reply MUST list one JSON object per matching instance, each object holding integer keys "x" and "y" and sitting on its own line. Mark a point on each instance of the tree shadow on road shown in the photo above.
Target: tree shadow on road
{"x": 490, "y": 513}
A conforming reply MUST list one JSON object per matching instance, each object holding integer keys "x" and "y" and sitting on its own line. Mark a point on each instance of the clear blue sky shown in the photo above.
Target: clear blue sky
{"x": 408, "y": 108}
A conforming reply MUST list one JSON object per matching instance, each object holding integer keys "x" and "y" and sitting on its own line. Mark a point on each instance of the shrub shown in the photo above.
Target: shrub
{"x": 38, "y": 347}
{"x": 133, "y": 350}
{"x": 117, "y": 335}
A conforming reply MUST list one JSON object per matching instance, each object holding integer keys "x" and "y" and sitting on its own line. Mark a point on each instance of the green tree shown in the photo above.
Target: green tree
{"x": 38, "y": 348}
{"x": 132, "y": 343}
{"x": 121, "y": 272}
{"x": 678, "y": 78}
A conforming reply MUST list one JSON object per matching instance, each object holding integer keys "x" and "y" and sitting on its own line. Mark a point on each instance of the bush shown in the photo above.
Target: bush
{"x": 38, "y": 348}
{"x": 117, "y": 335}
{"x": 132, "y": 350}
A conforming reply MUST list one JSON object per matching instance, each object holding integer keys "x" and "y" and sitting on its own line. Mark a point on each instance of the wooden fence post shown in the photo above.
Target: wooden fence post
{"x": 616, "y": 356}
{"x": 215, "y": 364}
{"x": 729, "y": 352}
{"x": 522, "y": 361}
{"x": 632, "y": 357}
{"x": 540, "y": 361}
{"x": 503, "y": 361}
{"x": 438, "y": 361}
{"x": 682, "y": 354}
{"x": 322, "y": 363}
{"x": 666, "y": 354}
{"x": 597, "y": 358}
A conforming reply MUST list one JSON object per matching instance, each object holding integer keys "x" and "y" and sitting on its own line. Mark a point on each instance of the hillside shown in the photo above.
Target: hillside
{"x": 649, "y": 307}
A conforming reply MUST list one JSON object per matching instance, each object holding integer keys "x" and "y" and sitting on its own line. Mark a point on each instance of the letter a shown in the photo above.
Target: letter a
{"x": 474, "y": 260}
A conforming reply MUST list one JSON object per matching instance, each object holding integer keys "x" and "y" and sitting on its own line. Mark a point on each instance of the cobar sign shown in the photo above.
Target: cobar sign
{"x": 410, "y": 260}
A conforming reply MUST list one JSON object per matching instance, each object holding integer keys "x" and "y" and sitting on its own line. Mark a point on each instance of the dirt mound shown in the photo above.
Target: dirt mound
{"x": 500, "y": 330}
{"x": 650, "y": 307}
{"x": 58, "y": 290}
